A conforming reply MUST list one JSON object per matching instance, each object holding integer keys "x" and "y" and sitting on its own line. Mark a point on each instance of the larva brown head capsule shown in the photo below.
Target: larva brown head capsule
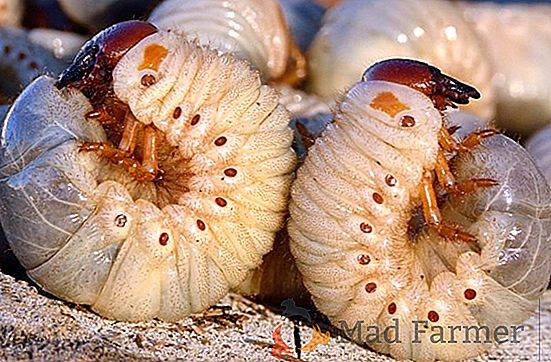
{"x": 442, "y": 89}
{"x": 91, "y": 70}
{"x": 480, "y": 260}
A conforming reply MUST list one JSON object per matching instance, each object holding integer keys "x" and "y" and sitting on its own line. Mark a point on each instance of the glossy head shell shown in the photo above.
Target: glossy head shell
{"x": 358, "y": 33}
{"x": 364, "y": 256}
{"x": 89, "y": 233}
{"x": 254, "y": 30}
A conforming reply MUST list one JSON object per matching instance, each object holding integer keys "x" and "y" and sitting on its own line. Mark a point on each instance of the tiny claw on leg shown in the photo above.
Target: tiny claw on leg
{"x": 469, "y": 186}
{"x": 454, "y": 233}
{"x": 432, "y": 214}
{"x": 448, "y": 182}
{"x": 449, "y": 144}
{"x": 475, "y": 138}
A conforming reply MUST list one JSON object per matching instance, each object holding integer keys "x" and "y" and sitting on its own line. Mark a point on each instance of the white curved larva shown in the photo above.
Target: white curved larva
{"x": 356, "y": 251}
{"x": 88, "y": 232}
{"x": 254, "y": 30}
{"x": 358, "y": 33}
{"x": 518, "y": 42}
{"x": 97, "y": 14}
{"x": 64, "y": 45}
{"x": 11, "y": 12}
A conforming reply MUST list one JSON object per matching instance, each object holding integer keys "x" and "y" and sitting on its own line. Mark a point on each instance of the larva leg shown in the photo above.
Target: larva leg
{"x": 449, "y": 144}
{"x": 475, "y": 138}
{"x": 432, "y": 214}
{"x": 130, "y": 133}
{"x": 150, "y": 163}
{"x": 118, "y": 157}
{"x": 447, "y": 180}
{"x": 100, "y": 115}
{"x": 296, "y": 67}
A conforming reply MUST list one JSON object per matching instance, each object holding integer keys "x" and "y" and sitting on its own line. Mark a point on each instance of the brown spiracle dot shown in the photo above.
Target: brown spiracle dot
{"x": 433, "y": 316}
{"x": 120, "y": 220}
{"x": 392, "y": 308}
{"x": 378, "y": 198}
{"x": 148, "y": 80}
{"x": 390, "y": 180}
{"x": 7, "y": 49}
{"x": 366, "y": 228}
{"x": 201, "y": 225}
{"x": 370, "y": 287}
{"x": 470, "y": 294}
{"x": 163, "y": 239}
{"x": 407, "y": 121}
{"x": 221, "y": 202}
{"x": 21, "y": 56}
{"x": 230, "y": 172}
{"x": 221, "y": 141}
{"x": 195, "y": 119}
{"x": 364, "y": 259}
{"x": 33, "y": 65}
{"x": 177, "y": 113}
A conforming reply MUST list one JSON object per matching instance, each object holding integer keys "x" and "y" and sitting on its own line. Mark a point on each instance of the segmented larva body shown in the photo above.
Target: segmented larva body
{"x": 88, "y": 232}
{"x": 353, "y": 211}
{"x": 254, "y": 30}
{"x": 358, "y": 33}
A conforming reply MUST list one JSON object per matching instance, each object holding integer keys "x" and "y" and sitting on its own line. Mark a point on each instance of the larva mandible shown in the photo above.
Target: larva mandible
{"x": 364, "y": 253}
{"x": 166, "y": 226}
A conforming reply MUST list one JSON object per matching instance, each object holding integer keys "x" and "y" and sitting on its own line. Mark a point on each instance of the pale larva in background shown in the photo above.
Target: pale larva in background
{"x": 98, "y": 14}
{"x": 517, "y": 38}
{"x": 21, "y": 61}
{"x": 358, "y": 33}
{"x": 11, "y": 12}
{"x": 79, "y": 207}
{"x": 361, "y": 243}
{"x": 254, "y": 30}
{"x": 63, "y": 44}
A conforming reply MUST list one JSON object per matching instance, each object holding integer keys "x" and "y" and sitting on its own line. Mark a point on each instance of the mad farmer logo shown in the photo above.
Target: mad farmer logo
{"x": 415, "y": 332}
{"x": 281, "y": 348}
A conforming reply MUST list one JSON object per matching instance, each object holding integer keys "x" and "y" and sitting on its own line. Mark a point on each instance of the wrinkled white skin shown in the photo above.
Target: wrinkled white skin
{"x": 333, "y": 195}
{"x": 301, "y": 104}
{"x": 358, "y": 33}
{"x": 21, "y": 61}
{"x": 254, "y": 30}
{"x": 61, "y": 207}
{"x": 11, "y": 12}
{"x": 518, "y": 41}
{"x": 539, "y": 147}
{"x": 64, "y": 45}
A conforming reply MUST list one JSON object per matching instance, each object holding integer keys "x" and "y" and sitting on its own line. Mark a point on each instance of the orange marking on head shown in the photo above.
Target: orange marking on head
{"x": 153, "y": 56}
{"x": 388, "y": 103}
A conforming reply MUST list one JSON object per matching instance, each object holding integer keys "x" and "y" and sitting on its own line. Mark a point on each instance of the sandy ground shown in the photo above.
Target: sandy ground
{"x": 39, "y": 328}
